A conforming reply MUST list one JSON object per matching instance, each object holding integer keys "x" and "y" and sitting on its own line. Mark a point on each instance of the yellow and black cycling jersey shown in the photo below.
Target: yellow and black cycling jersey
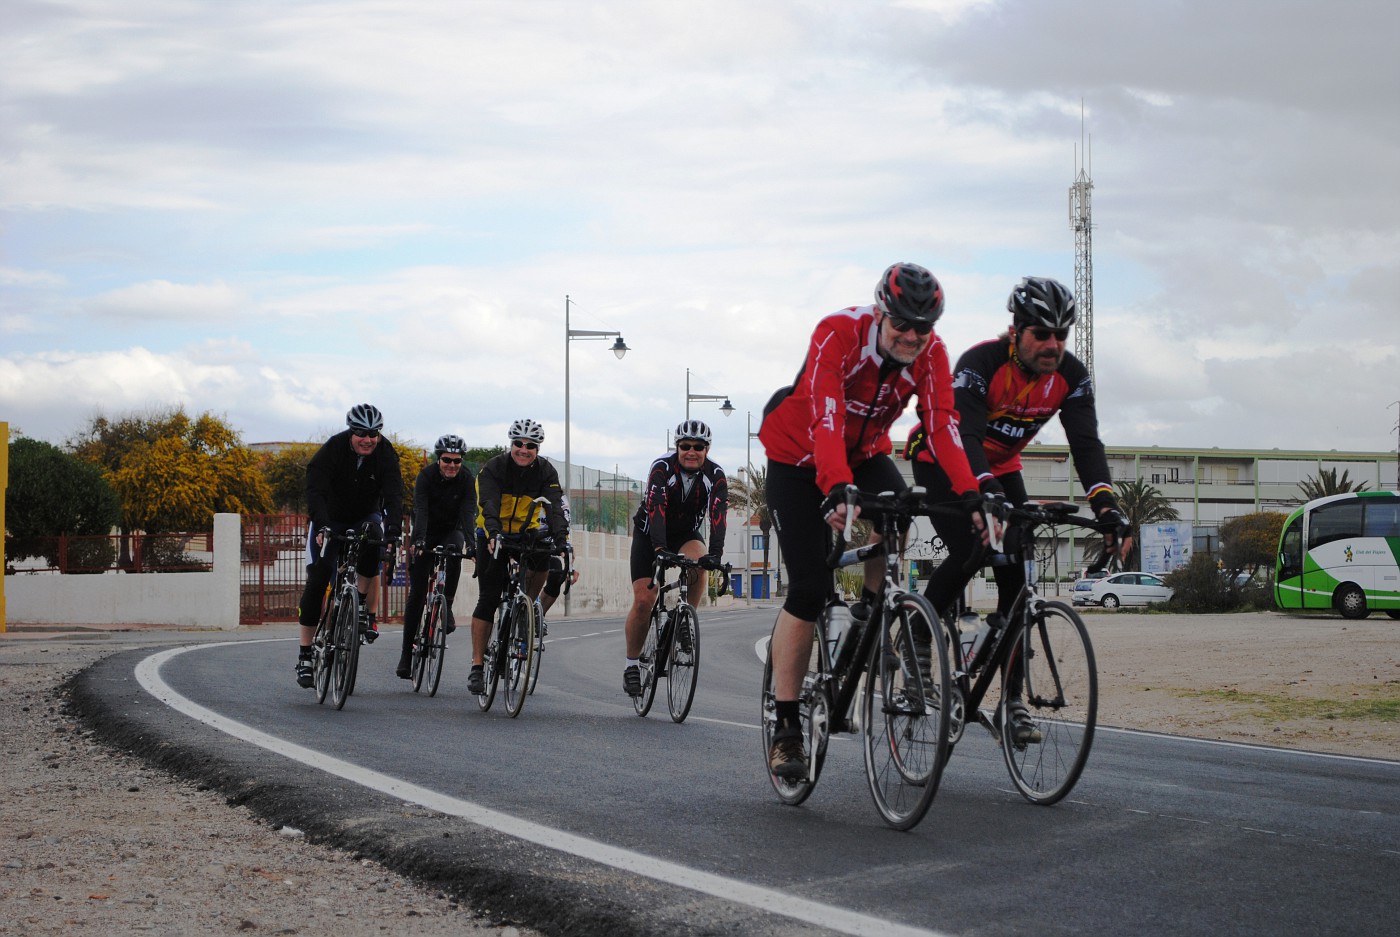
{"x": 505, "y": 492}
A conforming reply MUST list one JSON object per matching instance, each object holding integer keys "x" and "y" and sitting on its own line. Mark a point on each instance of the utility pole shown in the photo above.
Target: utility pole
{"x": 1081, "y": 221}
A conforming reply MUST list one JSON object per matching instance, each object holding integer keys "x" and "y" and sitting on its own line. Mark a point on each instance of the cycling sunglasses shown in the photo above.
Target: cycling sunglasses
{"x": 524, "y": 444}
{"x": 365, "y": 433}
{"x": 456, "y": 461}
{"x": 904, "y": 325}
{"x": 1043, "y": 335}
{"x": 692, "y": 446}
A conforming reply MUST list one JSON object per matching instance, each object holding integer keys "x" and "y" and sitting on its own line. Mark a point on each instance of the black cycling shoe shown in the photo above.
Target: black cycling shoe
{"x": 405, "y": 669}
{"x": 476, "y": 682}
{"x": 632, "y": 680}
{"x": 305, "y": 673}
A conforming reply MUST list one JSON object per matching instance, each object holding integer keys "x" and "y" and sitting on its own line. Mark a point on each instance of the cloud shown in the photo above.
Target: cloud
{"x": 160, "y": 299}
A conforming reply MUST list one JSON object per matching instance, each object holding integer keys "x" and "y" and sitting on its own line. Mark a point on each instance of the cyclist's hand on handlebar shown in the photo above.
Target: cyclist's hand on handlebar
{"x": 1117, "y": 532}
{"x": 834, "y": 508}
{"x": 710, "y": 561}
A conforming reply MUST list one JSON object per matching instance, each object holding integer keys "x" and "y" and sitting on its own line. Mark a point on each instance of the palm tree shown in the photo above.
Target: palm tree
{"x": 1326, "y": 482}
{"x": 748, "y": 494}
{"x": 1142, "y": 503}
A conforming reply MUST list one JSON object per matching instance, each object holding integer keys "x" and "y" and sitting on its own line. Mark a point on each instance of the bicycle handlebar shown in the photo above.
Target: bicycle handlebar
{"x": 665, "y": 558}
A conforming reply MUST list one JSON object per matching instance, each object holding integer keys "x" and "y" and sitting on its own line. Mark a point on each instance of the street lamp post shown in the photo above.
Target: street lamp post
{"x": 726, "y": 408}
{"x": 619, "y": 348}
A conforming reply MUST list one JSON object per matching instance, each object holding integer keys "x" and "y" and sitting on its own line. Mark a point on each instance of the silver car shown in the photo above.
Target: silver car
{"x": 1121, "y": 589}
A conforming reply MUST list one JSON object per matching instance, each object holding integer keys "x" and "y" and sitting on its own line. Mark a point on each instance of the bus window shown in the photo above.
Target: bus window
{"x": 1290, "y": 556}
{"x": 1330, "y": 522}
{"x": 1383, "y": 519}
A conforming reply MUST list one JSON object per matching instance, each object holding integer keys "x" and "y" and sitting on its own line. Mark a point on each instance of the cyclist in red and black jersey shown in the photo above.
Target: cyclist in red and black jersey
{"x": 683, "y": 489}
{"x": 1006, "y": 390}
{"x": 831, "y": 428}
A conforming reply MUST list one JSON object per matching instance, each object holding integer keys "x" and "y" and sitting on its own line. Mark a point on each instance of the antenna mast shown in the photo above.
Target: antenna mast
{"x": 1081, "y": 220}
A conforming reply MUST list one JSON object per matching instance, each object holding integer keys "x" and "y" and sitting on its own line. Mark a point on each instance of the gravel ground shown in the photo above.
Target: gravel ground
{"x": 99, "y": 843}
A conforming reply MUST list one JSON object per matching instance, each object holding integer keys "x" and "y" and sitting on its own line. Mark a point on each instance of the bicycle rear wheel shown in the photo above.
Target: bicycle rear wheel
{"x": 437, "y": 650}
{"x": 904, "y": 716}
{"x": 646, "y": 663}
{"x": 1062, "y": 695}
{"x": 815, "y": 707}
{"x": 520, "y": 654}
{"x": 346, "y": 643}
{"x": 684, "y": 657}
{"x": 539, "y": 647}
{"x": 323, "y": 652}
{"x": 422, "y": 644}
{"x": 491, "y": 662}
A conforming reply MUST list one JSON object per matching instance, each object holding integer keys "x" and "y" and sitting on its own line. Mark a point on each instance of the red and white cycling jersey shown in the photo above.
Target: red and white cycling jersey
{"x": 839, "y": 410}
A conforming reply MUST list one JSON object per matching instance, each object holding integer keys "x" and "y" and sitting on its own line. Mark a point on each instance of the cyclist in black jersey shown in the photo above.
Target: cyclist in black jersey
{"x": 444, "y": 511}
{"x": 683, "y": 487}
{"x": 1005, "y": 390}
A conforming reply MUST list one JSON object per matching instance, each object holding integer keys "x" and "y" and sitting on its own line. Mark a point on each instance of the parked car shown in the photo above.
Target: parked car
{"x": 1133, "y": 588}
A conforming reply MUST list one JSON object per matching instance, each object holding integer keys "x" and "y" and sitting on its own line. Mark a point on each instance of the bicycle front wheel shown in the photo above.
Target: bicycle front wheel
{"x": 422, "y": 644}
{"x": 815, "y": 707}
{"x": 1055, "y": 661}
{"x": 647, "y": 664}
{"x": 491, "y": 662}
{"x": 346, "y": 644}
{"x": 437, "y": 650}
{"x": 684, "y": 657}
{"x": 520, "y": 654}
{"x": 323, "y": 652}
{"x": 904, "y": 713}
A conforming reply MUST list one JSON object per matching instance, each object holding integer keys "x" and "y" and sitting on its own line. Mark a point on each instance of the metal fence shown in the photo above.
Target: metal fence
{"x": 274, "y": 571}
{"x": 130, "y": 552}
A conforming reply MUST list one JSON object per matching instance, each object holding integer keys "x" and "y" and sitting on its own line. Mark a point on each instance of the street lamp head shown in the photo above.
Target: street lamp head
{"x": 620, "y": 348}
{"x": 728, "y": 408}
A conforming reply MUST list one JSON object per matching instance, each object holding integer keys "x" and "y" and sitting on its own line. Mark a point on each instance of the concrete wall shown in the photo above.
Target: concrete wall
{"x": 186, "y": 600}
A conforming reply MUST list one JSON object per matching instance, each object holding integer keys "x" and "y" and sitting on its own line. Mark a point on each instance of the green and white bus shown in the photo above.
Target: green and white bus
{"x": 1342, "y": 552}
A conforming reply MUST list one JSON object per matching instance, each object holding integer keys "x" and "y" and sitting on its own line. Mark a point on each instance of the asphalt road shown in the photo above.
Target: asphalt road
{"x": 579, "y": 817}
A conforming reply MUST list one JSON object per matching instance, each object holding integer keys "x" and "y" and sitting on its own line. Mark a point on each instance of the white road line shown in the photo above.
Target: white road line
{"x": 727, "y": 889}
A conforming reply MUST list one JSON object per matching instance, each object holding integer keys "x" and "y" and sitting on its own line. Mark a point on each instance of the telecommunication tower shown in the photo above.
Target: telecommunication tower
{"x": 1081, "y": 220}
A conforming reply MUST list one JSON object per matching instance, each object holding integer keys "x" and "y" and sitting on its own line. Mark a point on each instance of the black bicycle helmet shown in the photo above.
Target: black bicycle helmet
{"x": 908, "y": 291}
{"x": 366, "y": 417}
{"x": 527, "y": 429}
{"x": 693, "y": 429}
{"x": 449, "y": 443}
{"x": 1041, "y": 301}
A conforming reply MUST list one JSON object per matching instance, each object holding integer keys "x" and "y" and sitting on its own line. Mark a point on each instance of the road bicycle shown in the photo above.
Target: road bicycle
{"x": 430, "y": 643}
{"x": 335, "y": 650}
{"x": 904, "y": 672}
{"x": 510, "y": 653}
{"x": 672, "y": 645}
{"x": 1043, "y": 648}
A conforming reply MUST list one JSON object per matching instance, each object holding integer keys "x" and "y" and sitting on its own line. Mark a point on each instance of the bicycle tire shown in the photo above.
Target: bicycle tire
{"x": 647, "y": 664}
{"x": 815, "y": 707}
{"x": 346, "y": 643}
{"x": 904, "y": 716}
{"x": 437, "y": 650}
{"x": 322, "y": 652}
{"x": 491, "y": 663}
{"x": 1061, "y": 692}
{"x": 683, "y": 667}
{"x": 519, "y": 654}
{"x": 422, "y": 645}
{"x": 539, "y": 647}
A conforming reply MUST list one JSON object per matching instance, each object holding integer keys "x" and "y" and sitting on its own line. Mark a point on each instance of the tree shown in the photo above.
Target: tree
{"x": 1326, "y": 483}
{"x": 1143, "y": 504}
{"x": 52, "y": 493}
{"x": 172, "y": 472}
{"x": 1249, "y": 542}
{"x": 285, "y": 474}
{"x": 749, "y": 495}
{"x": 477, "y": 456}
{"x": 412, "y": 458}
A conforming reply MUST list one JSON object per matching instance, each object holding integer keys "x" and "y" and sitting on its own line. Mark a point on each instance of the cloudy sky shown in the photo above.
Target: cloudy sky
{"x": 273, "y": 209}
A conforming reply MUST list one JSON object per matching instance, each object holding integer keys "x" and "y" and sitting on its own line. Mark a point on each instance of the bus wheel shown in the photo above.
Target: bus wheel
{"x": 1350, "y": 601}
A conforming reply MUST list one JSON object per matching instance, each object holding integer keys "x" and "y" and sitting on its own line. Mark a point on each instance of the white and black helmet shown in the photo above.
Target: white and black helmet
{"x": 1041, "y": 301}
{"x": 527, "y": 429}
{"x": 449, "y": 443}
{"x": 693, "y": 429}
{"x": 365, "y": 417}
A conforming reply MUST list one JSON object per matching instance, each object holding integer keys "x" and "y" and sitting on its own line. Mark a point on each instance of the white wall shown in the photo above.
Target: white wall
{"x": 186, "y": 600}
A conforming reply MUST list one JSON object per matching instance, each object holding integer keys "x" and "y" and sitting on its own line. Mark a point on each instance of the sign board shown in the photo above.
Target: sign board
{"x": 1165, "y": 547}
